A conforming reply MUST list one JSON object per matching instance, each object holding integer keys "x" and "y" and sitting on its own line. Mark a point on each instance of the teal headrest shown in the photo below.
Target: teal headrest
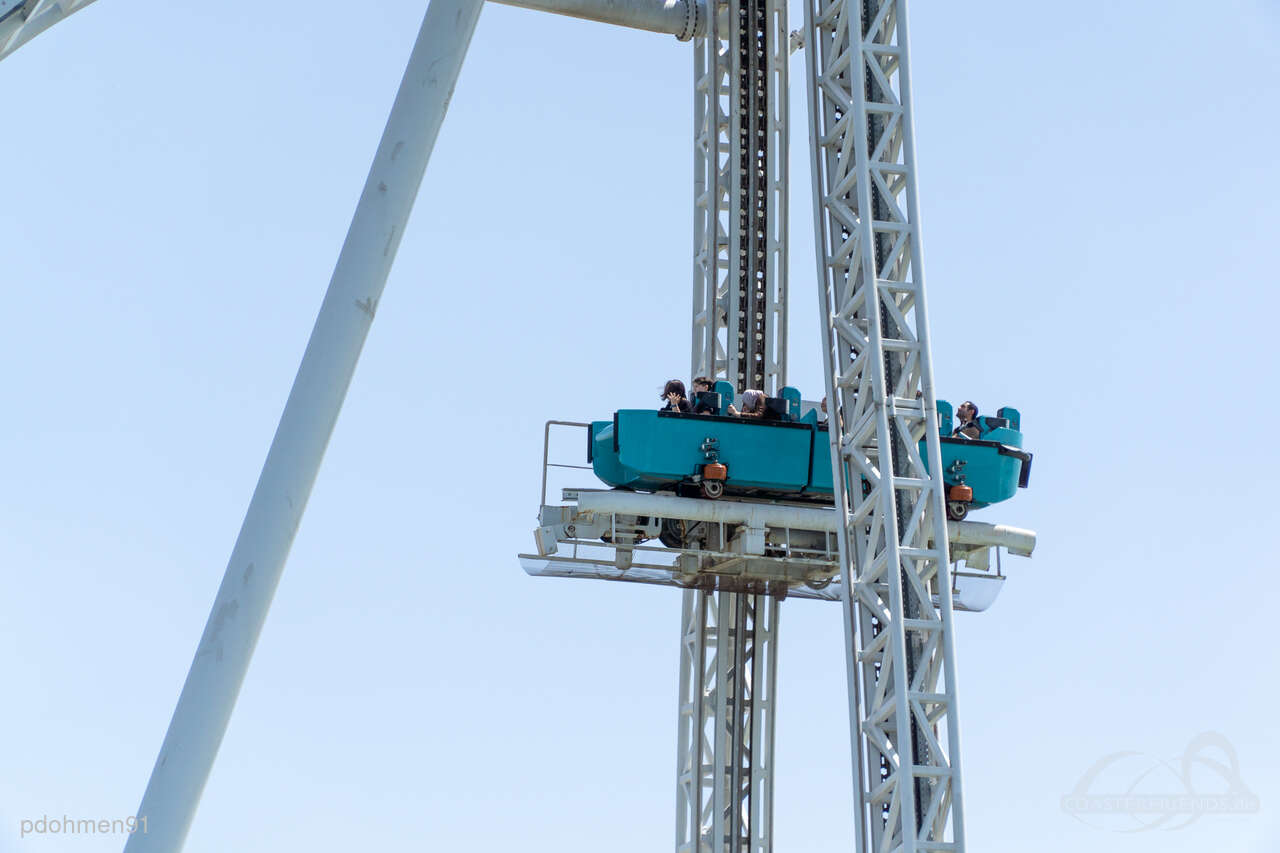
{"x": 946, "y": 417}
{"x": 725, "y": 390}
{"x": 792, "y": 396}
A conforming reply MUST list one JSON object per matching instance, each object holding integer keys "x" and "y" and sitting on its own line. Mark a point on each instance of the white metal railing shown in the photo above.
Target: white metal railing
{"x": 546, "y": 447}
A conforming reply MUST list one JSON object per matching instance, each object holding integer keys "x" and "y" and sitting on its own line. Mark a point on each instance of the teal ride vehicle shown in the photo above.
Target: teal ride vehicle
{"x": 787, "y": 454}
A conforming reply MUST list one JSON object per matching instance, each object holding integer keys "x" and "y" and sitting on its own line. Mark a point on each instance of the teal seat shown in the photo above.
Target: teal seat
{"x": 946, "y": 418}
{"x": 792, "y": 396}
{"x": 725, "y": 390}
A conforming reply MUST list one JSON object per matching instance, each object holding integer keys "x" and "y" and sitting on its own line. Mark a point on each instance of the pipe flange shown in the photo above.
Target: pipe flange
{"x": 690, "y": 20}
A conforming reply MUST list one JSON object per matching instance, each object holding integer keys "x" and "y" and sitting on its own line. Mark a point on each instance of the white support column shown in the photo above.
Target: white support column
{"x": 739, "y": 334}
{"x": 726, "y": 734}
{"x": 740, "y": 200}
{"x": 257, "y": 560}
{"x": 712, "y": 180}
{"x": 693, "y": 753}
{"x": 774, "y": 121}
{"x": 728, "y": 665}
{"x": 763, "y": 633}
{"x": 899, "y": 657}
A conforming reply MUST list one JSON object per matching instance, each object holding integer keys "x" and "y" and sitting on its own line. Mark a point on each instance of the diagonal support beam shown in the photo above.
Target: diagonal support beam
{"x": 275, "y": 511}
{"x": 23, "y": 20}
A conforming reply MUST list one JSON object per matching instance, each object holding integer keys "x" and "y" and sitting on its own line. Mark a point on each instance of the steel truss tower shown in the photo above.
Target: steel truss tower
{"x": 899, "y": 654}
{"x": 724, "y": 796}
{"x": 728, "y": 667}
{"x": 740, "y": 204}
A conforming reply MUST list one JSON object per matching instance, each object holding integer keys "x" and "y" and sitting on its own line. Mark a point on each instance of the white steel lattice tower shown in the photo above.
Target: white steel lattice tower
{"x": 728, "y": 638}
{"x": 728, "y": 666}
{"x": 740, "y": 204}
{"x": 899, "y": 654}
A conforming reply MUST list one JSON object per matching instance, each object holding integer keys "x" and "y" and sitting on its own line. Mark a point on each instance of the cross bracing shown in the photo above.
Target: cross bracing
{"x": 725, "y": 789}
{"x": 740, "y": 204}
{"x": 899, "y": 657}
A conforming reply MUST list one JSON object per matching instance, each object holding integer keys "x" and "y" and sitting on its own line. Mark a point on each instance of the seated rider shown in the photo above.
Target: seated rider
{"x": 968, "y": 416}
{"x": 752, "y": 404}
{"x": 673, "y": 393}
{"x": 700, "y": 407}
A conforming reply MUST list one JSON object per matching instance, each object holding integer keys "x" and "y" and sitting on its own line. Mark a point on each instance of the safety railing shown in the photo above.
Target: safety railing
{"x": 546, "y": 448}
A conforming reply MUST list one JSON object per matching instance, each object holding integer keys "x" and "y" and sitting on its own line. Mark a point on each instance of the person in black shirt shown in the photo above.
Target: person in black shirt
{"x": 968, "y": 415}
{"x": 701, "y": 385}
{"x": 673, "y": 393}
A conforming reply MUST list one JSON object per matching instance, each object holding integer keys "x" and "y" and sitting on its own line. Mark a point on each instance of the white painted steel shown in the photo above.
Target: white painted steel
{"x": 728, "y": 664}
{"x": 746, "y": 636}
{"x": 776, "y": 126}
{"x": 971, "y": 592}
{"x": 1018, "y": 541}
{"x": 539, "y": 566}
{"x": 733, "y": 512}
{"x": 738, "y": 334}
{"x": 788, "y": 549}
{"x": 979, "y": 533}
{"x": 23, "y": 20}
{"x": 680, "y": 18}
{"x": 693, "y": 755}
{"x": 899, "y": 656}
{"x": 741, "y": 141}
{"x": 711, "y": 191}
{"x": 257, "y": 560}
{"x": 758, "y": 758}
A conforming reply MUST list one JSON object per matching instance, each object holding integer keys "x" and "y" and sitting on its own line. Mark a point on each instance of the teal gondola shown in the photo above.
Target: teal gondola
{"x": 787, "y": 455}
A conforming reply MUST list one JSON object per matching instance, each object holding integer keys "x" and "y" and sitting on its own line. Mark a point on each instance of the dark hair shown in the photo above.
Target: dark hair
{"x": 970, "y": 404}
{"x": 703, "y": 380}
{"x": 673, "y": 386}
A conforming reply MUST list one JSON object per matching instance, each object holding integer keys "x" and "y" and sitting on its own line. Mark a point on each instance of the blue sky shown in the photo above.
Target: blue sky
{"x": 1099, "y": 196}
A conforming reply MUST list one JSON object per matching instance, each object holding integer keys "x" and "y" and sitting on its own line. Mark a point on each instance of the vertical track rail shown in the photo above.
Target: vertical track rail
{"x": 710, "y": 355}
{"x": 727, "y": 662}
{"x": 899, "y": 649}
{"x": 761, "y": 705}
{"x": 740, "y": 205}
